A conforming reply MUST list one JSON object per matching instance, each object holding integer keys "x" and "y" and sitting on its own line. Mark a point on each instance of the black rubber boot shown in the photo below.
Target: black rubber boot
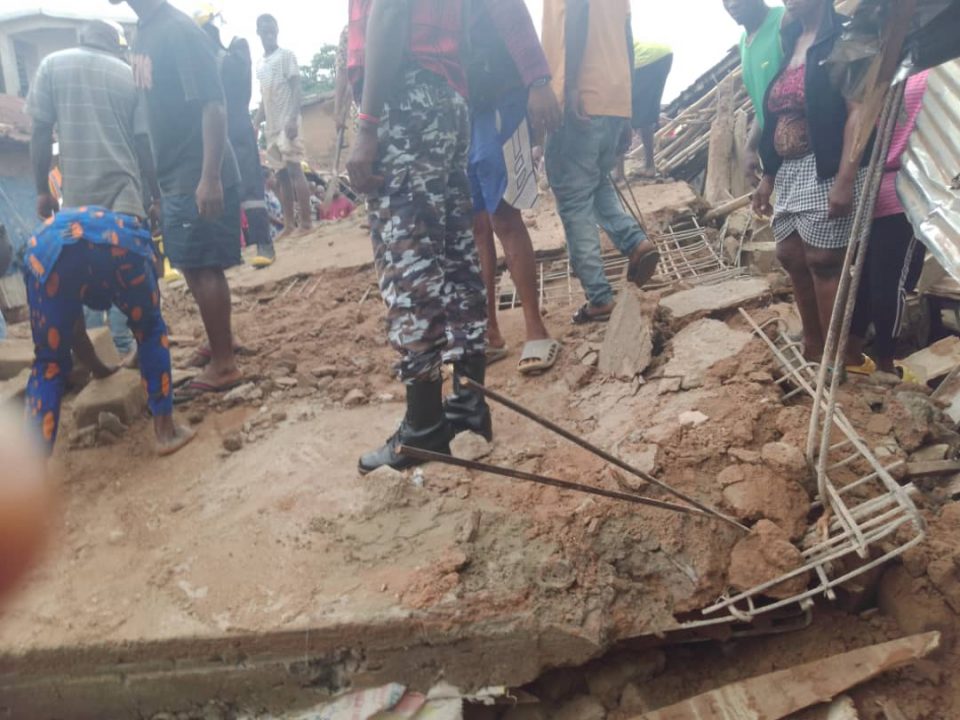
{"x": 468, "y": 410}
{"x": 424, "y": 427}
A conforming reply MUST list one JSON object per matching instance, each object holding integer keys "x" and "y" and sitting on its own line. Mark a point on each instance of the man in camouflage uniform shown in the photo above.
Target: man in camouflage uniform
{"x": 410, "y": 157}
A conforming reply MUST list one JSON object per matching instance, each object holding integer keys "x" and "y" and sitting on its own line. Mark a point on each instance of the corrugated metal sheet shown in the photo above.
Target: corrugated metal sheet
{"x": 929, "y": 181}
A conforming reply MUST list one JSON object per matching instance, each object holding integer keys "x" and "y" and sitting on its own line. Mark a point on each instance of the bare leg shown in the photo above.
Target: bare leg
{"x": 301, "y": 191}
{"x": 285, "y": 194}
{"x": 483, "y": 234}
{"x": 212, "y": 293}
{"x": 518, "y": 247}
{"x": 648, "y": 135}
{"x": 826, "y": 267}
{"x": 171, "y": 437}
{"x": 790, "y": 253}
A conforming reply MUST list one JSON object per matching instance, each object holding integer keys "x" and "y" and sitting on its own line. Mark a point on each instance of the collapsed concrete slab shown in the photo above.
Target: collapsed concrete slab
{"x": 700, "y": 346}
{"x": 121, "y": 394}
{"x": 707, "y": 299}
{"x": 628, "y": 344}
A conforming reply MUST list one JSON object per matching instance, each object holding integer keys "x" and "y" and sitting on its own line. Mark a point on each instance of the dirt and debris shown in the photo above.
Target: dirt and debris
{"x": 261, "y": 530}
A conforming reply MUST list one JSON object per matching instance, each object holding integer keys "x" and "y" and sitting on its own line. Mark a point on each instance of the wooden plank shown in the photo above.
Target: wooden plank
{"x": 778, "y": 694}
{"x": 933, "y": 467}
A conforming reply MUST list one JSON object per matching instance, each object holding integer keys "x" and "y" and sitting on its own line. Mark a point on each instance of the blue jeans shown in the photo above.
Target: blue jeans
{"x": 579, "y": 162}
{"x": 3, "y": 327}
{"x": 122, "y": 335}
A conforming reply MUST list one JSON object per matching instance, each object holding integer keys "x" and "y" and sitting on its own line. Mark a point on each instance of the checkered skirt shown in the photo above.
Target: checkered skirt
{"x": 803, "y": 203}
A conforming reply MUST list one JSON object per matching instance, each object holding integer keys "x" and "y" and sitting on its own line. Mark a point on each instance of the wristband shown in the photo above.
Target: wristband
{"x": 363, "y": 117}
{"x": 540, "y": 82}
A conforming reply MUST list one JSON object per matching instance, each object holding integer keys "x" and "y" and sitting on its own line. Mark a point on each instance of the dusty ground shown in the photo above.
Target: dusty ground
{"x": 278, "y": 533}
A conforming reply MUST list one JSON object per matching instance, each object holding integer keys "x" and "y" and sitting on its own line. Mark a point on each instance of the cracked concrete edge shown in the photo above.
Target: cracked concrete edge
{"x": 283, "y": 670}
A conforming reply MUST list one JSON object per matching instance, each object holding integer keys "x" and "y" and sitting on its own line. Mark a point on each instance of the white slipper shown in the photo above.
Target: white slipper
{"x": 539, "y": 356}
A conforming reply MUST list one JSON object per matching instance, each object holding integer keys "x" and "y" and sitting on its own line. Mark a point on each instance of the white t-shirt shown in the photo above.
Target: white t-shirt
{"x": 275, "y": 73}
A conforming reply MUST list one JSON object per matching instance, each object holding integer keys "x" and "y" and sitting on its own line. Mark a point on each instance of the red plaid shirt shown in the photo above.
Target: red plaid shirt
{"x": 436, "y": 38}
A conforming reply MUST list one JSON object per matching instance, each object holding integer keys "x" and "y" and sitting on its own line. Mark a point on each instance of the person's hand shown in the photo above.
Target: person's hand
{"x": 841, "y": 199}
{"x": 575, "y": 107}
{"x": 543, "y": 109}
{"x": 292, "y": 129}
{"x": 362, "y": 157}
{"x": 210, "y": 198}
{"x": 47, "y": 205}
{"x": 761, "y": 197}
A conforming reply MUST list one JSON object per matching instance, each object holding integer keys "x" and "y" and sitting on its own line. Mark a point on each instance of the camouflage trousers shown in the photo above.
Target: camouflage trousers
{"x": 422, "y": 228}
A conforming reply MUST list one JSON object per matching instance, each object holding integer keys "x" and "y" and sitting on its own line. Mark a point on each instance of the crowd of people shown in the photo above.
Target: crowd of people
{"x": 454, "y": 100}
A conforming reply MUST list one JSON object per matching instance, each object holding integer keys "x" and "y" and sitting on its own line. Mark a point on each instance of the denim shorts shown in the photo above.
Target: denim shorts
{"x": 192, "y": 243}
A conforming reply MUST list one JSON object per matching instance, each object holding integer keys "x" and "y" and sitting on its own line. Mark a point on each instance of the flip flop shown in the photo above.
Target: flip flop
{"x": 867, "y": 367}
{"x": 539, "y": 356}
{"x": 495, "y": 354}
{"x": 906, "y": 373}
{"x": 198, "y": 388}
{"x": 644, "y": 267}
{"x": 260, "y": 262}
{"x": 583, "y": 316}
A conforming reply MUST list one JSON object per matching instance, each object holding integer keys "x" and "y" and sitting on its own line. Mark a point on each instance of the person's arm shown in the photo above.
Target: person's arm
{"x": 387, "y": 36}
{"x": 751, "y": 163}
{"x": 87, "y": 354}
{"x": 626, "y": 137}
{"x": 148, "y": 170}
{"x": 210, "y": 190}
{"x": 259, "y": 117}
{"x": 41, "y": 156}
{"x": 199, "y": 74}
{"x": 43, "y": 111}
{"x": 576, "y": 26}
{"x": 842, "y": 195}
{"x": 513, "y": 23}
{"x": 296, "y": 97}
{"x": 342, "y": 98}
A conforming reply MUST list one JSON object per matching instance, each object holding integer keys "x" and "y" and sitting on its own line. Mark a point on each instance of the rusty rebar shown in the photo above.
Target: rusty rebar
{"x": 599, "y": 452}
{"x": 428, "y": 456}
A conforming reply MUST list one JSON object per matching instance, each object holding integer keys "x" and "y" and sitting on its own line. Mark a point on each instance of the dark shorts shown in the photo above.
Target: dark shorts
{"x": 648, "y": 85}
{"x": 192, "y": 243}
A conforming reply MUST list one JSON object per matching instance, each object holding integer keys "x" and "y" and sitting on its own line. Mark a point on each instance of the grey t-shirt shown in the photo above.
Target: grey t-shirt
{"x": 90, "y": 96}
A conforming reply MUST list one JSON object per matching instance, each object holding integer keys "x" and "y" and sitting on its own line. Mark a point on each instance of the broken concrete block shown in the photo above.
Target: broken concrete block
{"x": 628, "y": 344}
{"x": 760, "y": 256}
{"x": 786, "y": 460}
{"x": 15, "y": 357}
{"x": 470, "y": 446}
{"x": 754, "y": 492}
{"x": 13, "y": 390}
{"x": 765, "y": 555}
{"x": 355, "y": 398}
{"x": 931, "y": 453}
{"x": 102, "y": 340}
{"x": 700, "y": 346}
{"x": 913, "y": 415}
{"x": 692, "y": 418}
{"x": 714, "y": 298}
{"x": 936, "y": 360}
{"x": 121, "y": 394}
